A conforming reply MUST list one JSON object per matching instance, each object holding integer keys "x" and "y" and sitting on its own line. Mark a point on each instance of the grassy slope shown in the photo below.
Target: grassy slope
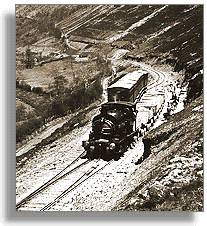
{"x": 183, "y": 41}
{"x": 34, "y": 22}
{"x": 44, "y": 75}
{"x": 31, "y": 110}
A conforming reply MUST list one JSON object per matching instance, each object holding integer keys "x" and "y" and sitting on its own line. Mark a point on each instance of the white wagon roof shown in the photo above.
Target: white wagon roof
{"x": 129, "y": 80}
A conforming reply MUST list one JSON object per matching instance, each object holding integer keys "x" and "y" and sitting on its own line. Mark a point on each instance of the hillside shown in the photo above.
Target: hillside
{"x": 64, "y": 52}
{"x": 163, "y": 33}
{"x": 176, "y": 183}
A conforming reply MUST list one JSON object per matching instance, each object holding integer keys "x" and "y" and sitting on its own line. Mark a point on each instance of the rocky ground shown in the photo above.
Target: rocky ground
{"x": 176, "y": 183}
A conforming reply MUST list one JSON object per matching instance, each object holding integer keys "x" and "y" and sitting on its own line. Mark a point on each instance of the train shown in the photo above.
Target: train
{"x": 113, "y": 127}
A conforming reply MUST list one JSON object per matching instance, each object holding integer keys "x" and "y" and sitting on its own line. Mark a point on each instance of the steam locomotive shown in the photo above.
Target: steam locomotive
{"x": 113, "y": 126}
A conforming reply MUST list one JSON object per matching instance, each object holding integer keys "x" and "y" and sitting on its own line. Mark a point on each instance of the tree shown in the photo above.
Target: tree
{"x": 59, "y": 86}
{"x": 103, "y": 64}
{"x": 37, "y": 90}
{"x": 58, "y": 90}
{"x": 29, "y": 58}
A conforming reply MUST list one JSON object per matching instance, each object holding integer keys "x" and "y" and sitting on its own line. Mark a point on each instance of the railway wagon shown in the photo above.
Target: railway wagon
{"x": 128, "y": 88}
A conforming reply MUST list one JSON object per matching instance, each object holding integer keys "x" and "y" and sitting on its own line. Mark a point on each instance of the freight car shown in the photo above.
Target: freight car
{"x": 111, "y": 129}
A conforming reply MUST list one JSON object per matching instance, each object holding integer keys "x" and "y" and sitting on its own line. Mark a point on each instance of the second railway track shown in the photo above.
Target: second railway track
{"x": 61, "y": 184}
{"x": 85, "y": 176}
{"x": 59, "y": 176}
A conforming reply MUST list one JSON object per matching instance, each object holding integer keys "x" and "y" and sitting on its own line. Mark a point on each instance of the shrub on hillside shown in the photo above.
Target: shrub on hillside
{"x": 23, "y": 85}
{"x": 83, "y": 96}
{"x": 58, "y": 108}
{"x": 27, "y": 127}
{"x": 20, "y": 113}
{"x": 37, "y": 90}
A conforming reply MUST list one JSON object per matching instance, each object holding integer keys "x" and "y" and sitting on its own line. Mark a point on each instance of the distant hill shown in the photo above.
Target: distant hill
{"x": 169, "y": 33}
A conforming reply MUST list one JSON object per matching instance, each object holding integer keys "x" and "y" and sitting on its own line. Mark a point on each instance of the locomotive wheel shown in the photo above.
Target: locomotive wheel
{"x": 117, "y": 156}
{"x": 122, "y": 149}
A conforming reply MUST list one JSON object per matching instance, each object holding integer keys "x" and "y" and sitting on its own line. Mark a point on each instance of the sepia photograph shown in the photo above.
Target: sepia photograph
{"x": 109, "y": 107}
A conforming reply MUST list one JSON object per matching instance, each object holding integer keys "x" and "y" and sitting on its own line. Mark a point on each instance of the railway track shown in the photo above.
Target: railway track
{"x": 160, "y": 78}
{"x": 157, "y": 81}
{"x": 48, "y": 195}
{"x": 63, "y": 173}
{"x": 85, "y": 176}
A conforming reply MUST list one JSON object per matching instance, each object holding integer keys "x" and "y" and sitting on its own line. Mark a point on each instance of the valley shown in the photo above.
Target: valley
{"x": 64, "y": 63}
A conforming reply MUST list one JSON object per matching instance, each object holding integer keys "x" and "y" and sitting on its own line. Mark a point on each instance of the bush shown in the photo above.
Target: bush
{"x": 58, "y": 108}
{"x": 79, "y": 98}
{"x": 83, "y": 96}
{"x": 37, "y": 90}
{"x": 24, "y": 86}
{"x": 20, "y": 113}
{"x": 27, "y": 127}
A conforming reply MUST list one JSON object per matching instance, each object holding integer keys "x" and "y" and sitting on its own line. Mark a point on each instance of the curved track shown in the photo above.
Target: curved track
{"x": 158, "y": 81}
